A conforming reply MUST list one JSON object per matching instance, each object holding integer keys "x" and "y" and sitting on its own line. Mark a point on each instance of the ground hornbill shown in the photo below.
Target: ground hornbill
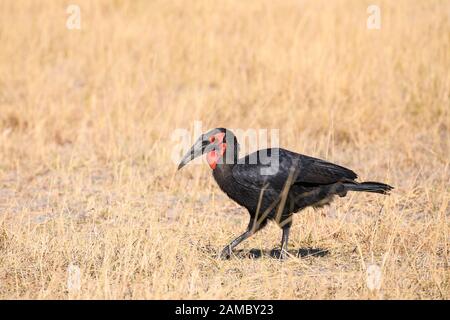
{"x": 275, "y": 183}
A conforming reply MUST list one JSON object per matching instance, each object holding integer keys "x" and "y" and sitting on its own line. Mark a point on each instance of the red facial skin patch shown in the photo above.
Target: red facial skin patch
{"x": 213, "y": 156}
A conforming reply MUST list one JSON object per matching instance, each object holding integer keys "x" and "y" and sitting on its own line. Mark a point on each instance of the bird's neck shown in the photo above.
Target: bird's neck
{"x": 231, "y": 154}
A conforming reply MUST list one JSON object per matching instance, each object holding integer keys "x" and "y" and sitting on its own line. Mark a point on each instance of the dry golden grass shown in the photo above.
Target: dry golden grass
{"x": 86, "y": 176}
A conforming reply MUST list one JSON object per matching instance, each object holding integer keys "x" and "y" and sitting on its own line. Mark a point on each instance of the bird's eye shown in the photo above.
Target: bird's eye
{"x": 212, "y": 139}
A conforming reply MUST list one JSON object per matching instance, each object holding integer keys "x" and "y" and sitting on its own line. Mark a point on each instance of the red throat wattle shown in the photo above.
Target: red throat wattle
{"x": 213, "y": 156}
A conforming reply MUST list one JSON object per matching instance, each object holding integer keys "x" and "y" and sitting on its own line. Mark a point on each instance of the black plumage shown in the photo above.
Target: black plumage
{"x": 273, "y": 184}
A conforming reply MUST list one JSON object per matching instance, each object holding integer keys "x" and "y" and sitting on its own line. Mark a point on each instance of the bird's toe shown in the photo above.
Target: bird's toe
{"x": 226, "y": 253}
{"x": 279, "y": 254}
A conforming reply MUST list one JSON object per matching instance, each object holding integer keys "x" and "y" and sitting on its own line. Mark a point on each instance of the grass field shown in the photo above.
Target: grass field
{"x": 87, "y": 181}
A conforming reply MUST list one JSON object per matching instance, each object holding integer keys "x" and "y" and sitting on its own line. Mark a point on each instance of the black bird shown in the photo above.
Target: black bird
{"x": 273, "y": 184}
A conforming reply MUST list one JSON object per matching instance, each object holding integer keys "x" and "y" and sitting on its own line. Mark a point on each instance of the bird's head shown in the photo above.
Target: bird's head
{"x": 215, "y": 143}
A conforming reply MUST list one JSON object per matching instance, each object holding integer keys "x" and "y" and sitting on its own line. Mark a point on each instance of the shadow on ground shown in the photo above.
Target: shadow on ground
{"x": 266, "y": 253}
{"x": 275, "y": 253}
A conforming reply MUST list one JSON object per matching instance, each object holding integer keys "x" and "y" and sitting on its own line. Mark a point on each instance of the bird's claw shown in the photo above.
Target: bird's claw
{"x": 226, "y": 253}
{"x": 280, "y": 254}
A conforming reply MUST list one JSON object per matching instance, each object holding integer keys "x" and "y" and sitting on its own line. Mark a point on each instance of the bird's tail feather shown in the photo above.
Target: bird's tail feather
{"x": 369, "y": 186}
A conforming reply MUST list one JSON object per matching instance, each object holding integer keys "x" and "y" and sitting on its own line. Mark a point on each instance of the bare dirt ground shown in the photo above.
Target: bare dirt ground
{"x": 87, "y": 180}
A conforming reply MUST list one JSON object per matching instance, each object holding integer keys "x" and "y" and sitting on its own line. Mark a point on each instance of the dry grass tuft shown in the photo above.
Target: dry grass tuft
{"x": 86, "y": 177}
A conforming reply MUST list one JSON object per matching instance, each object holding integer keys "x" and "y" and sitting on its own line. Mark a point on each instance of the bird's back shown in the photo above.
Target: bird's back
{"x": 275, "y": 166}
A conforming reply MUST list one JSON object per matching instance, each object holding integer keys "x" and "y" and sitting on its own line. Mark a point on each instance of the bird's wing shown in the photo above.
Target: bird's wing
{"x": 316, "y": 171}
{"x": 262, "y": 169}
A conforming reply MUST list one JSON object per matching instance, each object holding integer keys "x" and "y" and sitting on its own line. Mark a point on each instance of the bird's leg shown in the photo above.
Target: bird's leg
{"x": 226, "y": 252}
{"x": 284, "y": 240}
{"x": 251, "y": 229}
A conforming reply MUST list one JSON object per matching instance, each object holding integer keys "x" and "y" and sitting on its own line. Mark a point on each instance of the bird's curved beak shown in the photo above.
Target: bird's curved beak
{"x": 196, "y": 150}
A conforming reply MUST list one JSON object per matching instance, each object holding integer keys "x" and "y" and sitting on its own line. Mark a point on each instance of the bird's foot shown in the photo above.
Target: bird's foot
{"x": 280, "y": 254}
{"x": 226, "y": 253}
